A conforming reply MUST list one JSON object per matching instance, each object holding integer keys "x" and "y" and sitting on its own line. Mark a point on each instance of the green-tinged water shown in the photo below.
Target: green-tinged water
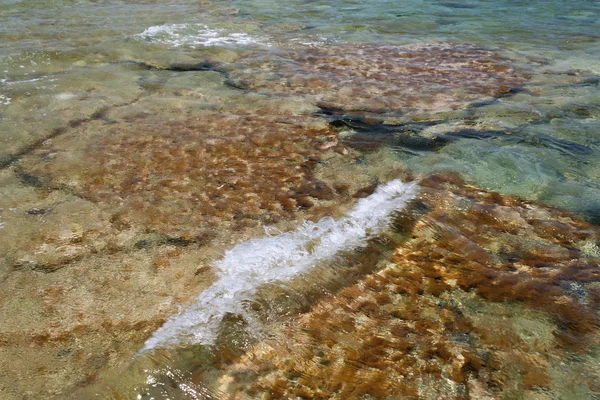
{"x": 158, "y": 161}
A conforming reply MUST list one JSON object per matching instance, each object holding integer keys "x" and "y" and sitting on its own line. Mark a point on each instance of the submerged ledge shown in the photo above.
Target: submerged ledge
{"x": 126, "y": 210}
{"x": 492, "y": 296}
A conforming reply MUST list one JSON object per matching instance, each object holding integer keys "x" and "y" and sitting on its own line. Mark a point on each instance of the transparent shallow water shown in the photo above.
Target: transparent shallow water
{"x": 139, "y": 141}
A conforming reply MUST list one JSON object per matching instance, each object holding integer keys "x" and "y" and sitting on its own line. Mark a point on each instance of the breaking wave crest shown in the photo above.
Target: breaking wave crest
{"x": 257, "y": 262}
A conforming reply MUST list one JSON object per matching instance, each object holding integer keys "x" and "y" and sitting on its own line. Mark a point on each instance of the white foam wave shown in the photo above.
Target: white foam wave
{"x": 177, "y": 35}
{"x": 319, "y": 41}
{"x": 6, "y": 82}
{"x": 257, "y": 262}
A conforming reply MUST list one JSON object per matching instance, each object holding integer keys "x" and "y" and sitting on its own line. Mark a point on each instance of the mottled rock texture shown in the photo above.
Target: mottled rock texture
{"x": 490, "y": 297}
{"x": 185, "y": 177}
{"x": 111, "y": 225}
{"x": 397, "y": 80}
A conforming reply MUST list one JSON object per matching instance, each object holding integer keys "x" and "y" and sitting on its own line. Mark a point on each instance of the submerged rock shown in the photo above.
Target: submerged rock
{"x": 395, "y": 80}
{"x": 45, "y": 231}
{"x": 187, "y": 176}
{"x": 65, "y": 329}
{"x": 490, "y": 297}
{"x": 122, "y": 215}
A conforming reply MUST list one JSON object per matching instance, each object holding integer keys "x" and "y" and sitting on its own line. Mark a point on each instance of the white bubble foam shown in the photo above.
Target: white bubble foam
{"x": 10, "y": 83}
{"x": 65, "y": 96}
{"x": 257, "y": 262}
{"x": 319, "y": 41}
{"x": 177, "y": 35}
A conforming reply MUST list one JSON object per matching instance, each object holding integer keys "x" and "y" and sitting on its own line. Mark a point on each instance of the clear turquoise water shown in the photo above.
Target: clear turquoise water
{"x": 62, "y": 61}
{"x": 55, "y": 47}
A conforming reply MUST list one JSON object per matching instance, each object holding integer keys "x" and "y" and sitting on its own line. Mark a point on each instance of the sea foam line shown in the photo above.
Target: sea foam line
{"x": 257, "y": 262}
{"x": 177, "y": 35}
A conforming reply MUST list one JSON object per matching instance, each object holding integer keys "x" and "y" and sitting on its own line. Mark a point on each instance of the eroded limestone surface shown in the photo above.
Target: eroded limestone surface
{"x": 109, "y": 227}
{"x": 394, "y": 80}
{"x": 491, "y": 297}
{"x": 45, "y": 230}
{"x": 185, "y": 177}
{"x": 44, "y": 102}
{"x": 63, "y": 329}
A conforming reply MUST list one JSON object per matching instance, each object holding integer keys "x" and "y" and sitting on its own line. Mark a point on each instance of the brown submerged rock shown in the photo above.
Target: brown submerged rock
{"x": 182, "y": 176}
{"x": 110, "y": 226}
{"x": 400, "y": 80}
{"x": 490, "y": 297}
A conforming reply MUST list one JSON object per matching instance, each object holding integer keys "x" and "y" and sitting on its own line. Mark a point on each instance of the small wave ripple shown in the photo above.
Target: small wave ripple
{"x": 192, "y": 35}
